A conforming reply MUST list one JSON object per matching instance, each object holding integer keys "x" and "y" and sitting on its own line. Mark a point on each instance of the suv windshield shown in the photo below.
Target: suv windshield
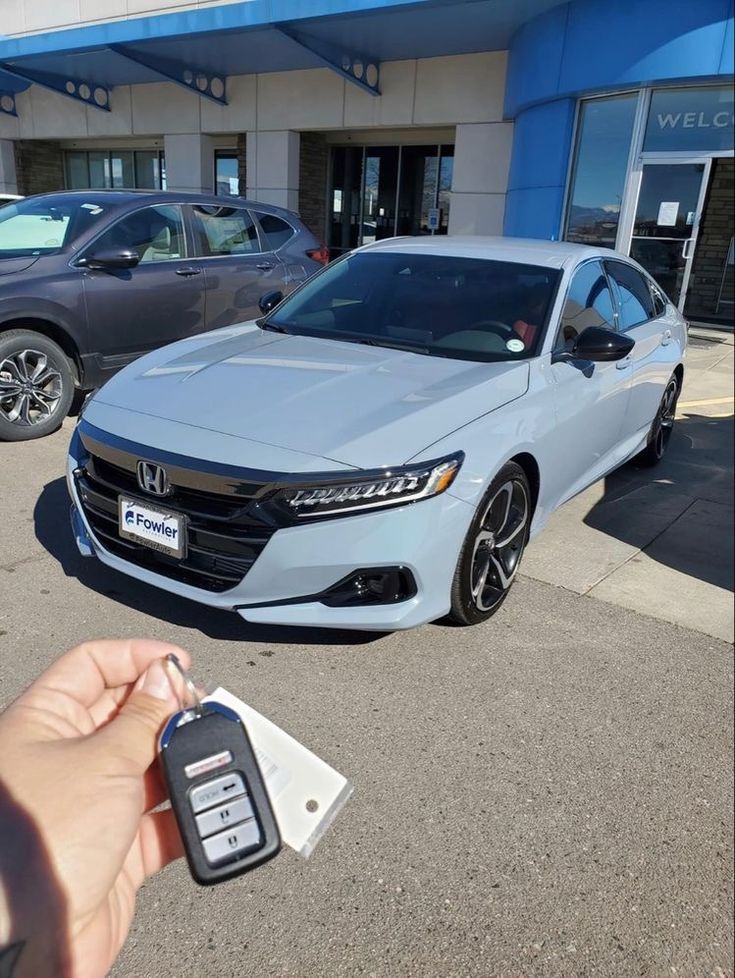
{"x": 44, "y": 225}
{"x": 462, "y": 308}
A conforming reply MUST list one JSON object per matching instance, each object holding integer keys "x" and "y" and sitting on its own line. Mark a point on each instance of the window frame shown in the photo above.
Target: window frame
{"x": 616, "y": 296}
{"x": 85, "y": 250}
{"x": 199, "y": 235}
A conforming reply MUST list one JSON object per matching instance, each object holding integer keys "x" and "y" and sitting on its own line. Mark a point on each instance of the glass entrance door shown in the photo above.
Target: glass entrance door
{"x": 667, "y": 215}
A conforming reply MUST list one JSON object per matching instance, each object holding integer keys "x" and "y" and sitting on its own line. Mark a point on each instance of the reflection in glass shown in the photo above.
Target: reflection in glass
{"x": 601, "y": 158}
{"x": 667, "y": 203}
{"x": 227, "y": 177}
{"x": 99, "y": 171}
{"x": 121, "y": 169}
{"x": 77, "y": 174}
{"x": 379, "y": 193}
{"x": 147, "y": 170}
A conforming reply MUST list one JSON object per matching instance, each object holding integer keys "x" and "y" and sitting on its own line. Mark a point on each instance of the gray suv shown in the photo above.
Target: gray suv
{"x": 90, "y": 280}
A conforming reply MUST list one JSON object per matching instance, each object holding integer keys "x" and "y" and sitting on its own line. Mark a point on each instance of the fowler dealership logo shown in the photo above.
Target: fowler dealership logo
{"x": 696, "y": 120}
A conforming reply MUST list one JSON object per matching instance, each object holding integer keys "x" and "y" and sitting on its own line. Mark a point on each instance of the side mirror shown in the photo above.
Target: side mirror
{"x": 110, "y": 258}
{"x": 599, "y": 345}
{"x": 269, "y": 301}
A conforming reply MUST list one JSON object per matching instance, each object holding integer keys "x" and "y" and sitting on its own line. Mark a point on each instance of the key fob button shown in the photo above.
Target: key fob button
{"x": 216, "y": 791}
{"x": 232, "y": 842}
{"x": 216, "y": 819}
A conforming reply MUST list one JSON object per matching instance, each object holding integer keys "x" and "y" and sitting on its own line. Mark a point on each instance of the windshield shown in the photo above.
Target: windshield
{"x": 45, "y": 225}
{"x": 463, "y": 308}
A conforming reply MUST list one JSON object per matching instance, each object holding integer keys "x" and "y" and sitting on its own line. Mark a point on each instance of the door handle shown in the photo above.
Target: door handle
{"x": 622, "y": 364}
{"x": 188, "y": 271}
{"x": 687, "y": 249}
{"x": 265, "y": 266}
{"x": 666, "y": 338}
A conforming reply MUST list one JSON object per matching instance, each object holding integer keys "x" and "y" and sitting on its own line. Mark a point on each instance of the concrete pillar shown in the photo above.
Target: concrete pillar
{"x": 189, "y": 163}
{"x": 273, "y": 168}
{"x": 8, "y": 177}
{"x": 480, "y": 178}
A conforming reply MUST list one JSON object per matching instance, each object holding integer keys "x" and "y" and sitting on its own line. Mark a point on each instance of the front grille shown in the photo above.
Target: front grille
{"x": 224, "y": 537}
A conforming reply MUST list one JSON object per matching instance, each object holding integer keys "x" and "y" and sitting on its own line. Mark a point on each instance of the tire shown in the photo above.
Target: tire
{"x": 36, "y": 385}
{"x": 505, "y": 513}
{"x": 662, "y": 426}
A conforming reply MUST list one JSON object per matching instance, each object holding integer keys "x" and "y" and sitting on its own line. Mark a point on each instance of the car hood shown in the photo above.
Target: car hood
{"x": 11, "y": 266}
{"x": 358, "y": 405}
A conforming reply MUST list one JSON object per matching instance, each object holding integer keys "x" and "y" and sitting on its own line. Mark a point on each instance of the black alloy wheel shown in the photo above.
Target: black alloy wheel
{"x": 662, "y": 426}
{"x": 36, "y": 385}
{"x": 493, "y": 547}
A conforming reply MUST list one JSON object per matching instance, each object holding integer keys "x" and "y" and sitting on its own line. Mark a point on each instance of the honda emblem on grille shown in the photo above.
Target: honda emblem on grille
{"x": 152, "y": 478}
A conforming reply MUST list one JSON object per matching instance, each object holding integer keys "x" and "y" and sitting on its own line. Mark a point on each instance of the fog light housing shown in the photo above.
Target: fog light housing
{"x": 371, "y": 586}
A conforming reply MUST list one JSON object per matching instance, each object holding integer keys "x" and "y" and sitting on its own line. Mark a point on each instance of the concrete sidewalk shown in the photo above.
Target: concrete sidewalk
{"x": 660, "y": 541}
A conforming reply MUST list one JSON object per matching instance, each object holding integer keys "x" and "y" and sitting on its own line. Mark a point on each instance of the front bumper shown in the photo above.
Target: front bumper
{"x": 424, "y": 537}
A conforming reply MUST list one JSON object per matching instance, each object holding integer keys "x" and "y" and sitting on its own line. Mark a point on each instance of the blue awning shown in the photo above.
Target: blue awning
{"x": 200, "y": 48}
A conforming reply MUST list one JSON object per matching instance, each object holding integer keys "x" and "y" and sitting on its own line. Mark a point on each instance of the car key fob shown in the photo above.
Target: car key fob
{"x": 217, "y": 793}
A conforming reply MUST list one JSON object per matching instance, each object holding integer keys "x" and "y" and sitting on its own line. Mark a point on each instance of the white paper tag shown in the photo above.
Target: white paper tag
{"x": 306, "y": 793}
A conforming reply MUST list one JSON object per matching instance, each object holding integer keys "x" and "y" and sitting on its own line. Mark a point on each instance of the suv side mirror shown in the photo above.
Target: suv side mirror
{"x": 269, "y": 301}
{"x": 599, "y": 345}
{"x": 110, "y": 258}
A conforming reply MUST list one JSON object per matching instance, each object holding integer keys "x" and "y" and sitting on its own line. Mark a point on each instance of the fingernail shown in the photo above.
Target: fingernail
{"x": 156, "y": 682}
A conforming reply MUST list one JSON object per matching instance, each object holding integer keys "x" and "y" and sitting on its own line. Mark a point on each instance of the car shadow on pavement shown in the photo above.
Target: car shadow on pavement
{"x": 53, "y": 532}
{"x": 681, "y": 511}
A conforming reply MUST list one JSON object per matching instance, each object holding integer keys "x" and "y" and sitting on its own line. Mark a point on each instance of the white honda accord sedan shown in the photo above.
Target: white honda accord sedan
{"x": 376, "y": 450}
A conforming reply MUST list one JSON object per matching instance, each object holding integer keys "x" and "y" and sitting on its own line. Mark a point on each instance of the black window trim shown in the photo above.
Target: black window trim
{"x": 129, "y": 213}
{"x": 614, "y": 288}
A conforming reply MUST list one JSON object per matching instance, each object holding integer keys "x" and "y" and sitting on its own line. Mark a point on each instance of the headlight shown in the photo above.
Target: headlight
{"x": 372, "y": 490}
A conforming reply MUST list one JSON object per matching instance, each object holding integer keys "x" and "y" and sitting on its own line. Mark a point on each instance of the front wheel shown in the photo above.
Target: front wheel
{"x": 493, "y": 547}
{"x": 663, "y": 425}
{"x": 36, "y": 385}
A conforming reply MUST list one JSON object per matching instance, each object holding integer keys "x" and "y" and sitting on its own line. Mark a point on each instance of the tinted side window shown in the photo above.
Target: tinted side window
{"x": 588, "y": 303}
{"x": 635, "y": 300}
{"x": 276, "y": 230}
{"x": 227, "y": 231}
{"x": 156, "y": 233}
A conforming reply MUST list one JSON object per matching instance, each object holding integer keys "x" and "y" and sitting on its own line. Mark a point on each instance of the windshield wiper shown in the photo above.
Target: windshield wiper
{"x": 393, "y": 345}
{"x": 270, "y": 327}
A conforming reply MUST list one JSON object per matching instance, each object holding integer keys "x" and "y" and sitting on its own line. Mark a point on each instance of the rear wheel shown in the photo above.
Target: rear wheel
{"x": 493, "y": 547}
{"x": 663, "y": 425}
{"x": 36, "y": 385}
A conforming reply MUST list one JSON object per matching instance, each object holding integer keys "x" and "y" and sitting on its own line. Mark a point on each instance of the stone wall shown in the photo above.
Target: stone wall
{"x": 39, "y": 166}
{"x": 715, "y": 234}
{"x": 313, "y": 163}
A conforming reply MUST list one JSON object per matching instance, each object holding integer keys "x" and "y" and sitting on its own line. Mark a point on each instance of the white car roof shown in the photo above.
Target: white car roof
{"x": 531, "y": 251}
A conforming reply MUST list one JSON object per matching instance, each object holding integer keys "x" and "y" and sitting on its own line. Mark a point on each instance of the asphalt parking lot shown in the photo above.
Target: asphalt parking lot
{"x": 549, "y": 794}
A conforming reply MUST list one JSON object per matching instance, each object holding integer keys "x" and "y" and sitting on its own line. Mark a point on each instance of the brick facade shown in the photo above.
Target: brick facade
{"x": 313, "y": 162}
{"x": 242, "y": 173}
{"x": 39, "y": 166}
{"x": 715, "y": 234}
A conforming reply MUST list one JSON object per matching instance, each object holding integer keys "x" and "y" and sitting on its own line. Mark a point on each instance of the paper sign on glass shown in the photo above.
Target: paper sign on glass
{"x": 668, "y": 212}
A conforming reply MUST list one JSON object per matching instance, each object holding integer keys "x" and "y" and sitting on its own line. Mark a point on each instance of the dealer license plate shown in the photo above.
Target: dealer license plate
{"x": 159, "y": 529}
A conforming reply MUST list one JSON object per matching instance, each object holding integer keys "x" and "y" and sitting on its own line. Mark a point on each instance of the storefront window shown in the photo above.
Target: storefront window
{"x": 115, "y": 169}
{"x": 226, "y": 173}
{"x": 690, "y": 120}
{"x": 601, "y": 158}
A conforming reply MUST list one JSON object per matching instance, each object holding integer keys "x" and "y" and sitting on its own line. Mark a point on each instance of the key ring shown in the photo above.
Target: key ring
{"x": 172, "y": 660}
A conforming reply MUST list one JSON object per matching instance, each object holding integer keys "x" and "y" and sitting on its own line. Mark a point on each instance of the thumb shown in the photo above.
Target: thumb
{"x": 132, "y": 736}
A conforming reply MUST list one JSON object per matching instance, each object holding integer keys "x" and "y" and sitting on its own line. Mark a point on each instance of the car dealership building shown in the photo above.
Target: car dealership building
{"x": 601, "y": 121}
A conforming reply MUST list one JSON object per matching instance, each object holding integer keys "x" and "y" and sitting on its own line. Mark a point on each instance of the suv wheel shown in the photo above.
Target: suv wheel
{"x": 36, "y": 385}
{"x": 493, "y": 547}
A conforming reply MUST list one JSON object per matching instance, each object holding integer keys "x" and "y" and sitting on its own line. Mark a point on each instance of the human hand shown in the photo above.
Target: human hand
{"x": 78, "y": 780}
